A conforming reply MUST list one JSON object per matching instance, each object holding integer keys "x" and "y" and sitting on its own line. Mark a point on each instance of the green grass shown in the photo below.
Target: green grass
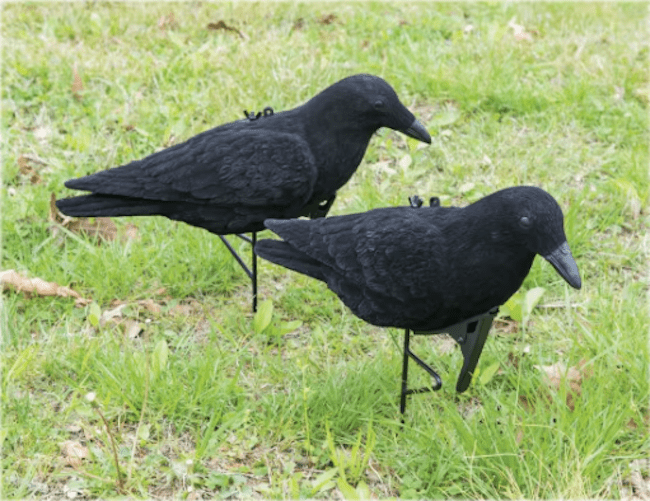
{"x": 202, "y": 403}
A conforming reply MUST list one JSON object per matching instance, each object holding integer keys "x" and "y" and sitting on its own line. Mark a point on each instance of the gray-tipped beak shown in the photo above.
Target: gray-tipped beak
{"x": 417, "y": 131}
{"x": 565, "y": 265}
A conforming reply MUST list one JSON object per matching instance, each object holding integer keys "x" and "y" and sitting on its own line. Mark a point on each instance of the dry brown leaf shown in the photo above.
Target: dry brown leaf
{"x": 298, "y": 24}
{"x": 27, "y": 170}
{"x": 506, "y": 325}
{"x": 327, "y": 19}
{"x": 129, "y": 232}
{"x": 221, "y": 25}
{"x": 184, "y": 310}
{"x": 74, "y": 452}
{"x": 513, "y": 359}
{"x": 101, "y": 227}
{"x": 168, "y": 21}
{"x": 558, "y": 373}
{"x": 77, "y": 85}
{"x": 150, "y": 305}
{"x": 525, "y": 403}
{"x": 11, "y": 279}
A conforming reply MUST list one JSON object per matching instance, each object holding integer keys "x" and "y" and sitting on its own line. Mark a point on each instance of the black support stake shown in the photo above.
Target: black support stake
{"x": 405, "y": 373}
{"x": 254, "y": 278}
{"x": 470, "y": 334}
{"x": 251, "y": 274}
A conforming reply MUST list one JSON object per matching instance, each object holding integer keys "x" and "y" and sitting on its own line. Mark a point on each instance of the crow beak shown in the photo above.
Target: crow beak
{"x": 565, "y": 265}
{"x": 417, "y": 131}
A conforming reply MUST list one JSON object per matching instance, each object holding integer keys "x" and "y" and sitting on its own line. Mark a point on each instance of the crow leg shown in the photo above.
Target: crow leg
{"x": 252, "y": 274}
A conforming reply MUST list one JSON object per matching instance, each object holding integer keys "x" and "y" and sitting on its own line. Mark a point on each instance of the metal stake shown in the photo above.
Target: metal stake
{"x": 470, "y": 334}
{"x": 251, "y": 274}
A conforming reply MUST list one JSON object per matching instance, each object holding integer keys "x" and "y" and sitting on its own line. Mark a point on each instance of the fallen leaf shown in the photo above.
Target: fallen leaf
{"x": 26, "y": 169}
{"x": 132, "y": 329}
{"x": 101, "y": 227}
{"x": 519, "y": 31}
{"x": 42, "y": 133}
{"x": 11, "y": 279}
{"x": 77, "y": 84}
{"x": 507, "y": 326}
{"x": 111, "y": 314}
{"x": 221, "y": 25}
{"x": 513, "y": 360}
{"x": 74, "y": 452}
{"x": 640, "y": 478}
{"x": 73, "y": 428}
{"x": 525, "y": 403}
{"x": 129, "y": 232}
{"x": 327, "y": 19}
{"x": 558, "y": 373}
{"x": 184, "y": 310}
{"x": 168, "y": 21}
{"x": 150, "y": 305}
{"x": 298, "y": 24}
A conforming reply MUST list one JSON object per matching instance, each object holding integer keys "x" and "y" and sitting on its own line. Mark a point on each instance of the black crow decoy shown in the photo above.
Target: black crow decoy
{"x": 430, "y": 269}
{"x": 229, "y": 179}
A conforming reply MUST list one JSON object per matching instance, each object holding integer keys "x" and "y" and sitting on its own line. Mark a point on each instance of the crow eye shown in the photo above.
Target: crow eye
{"x": 525, "y": 222}
{"x": 379, "y": 105}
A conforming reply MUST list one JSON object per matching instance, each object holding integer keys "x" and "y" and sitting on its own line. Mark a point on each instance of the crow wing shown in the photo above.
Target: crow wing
{"x": 236, "y": 167}
{"x": 394, "y": 252}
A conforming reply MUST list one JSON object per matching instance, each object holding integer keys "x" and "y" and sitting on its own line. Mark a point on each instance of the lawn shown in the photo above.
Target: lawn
{"x": 158, "y": 364}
